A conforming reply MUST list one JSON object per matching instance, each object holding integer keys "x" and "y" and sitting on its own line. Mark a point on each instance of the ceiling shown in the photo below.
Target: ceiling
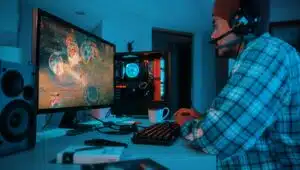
{"x": 190, "y": 13}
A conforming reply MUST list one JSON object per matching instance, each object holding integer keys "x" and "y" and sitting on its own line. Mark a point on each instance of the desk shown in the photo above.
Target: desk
{"x": 176, "y": 157}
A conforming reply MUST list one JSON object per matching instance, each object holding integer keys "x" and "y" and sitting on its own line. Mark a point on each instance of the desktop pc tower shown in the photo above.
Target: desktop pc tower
{"x": 141, "y": 78}
{"x": 17, "y": 108}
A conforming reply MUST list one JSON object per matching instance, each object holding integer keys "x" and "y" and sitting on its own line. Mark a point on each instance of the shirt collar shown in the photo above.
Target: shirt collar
{"x": 258, "y": 39}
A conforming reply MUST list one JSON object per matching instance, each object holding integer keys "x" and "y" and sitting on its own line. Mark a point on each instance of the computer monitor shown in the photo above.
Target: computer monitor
{"x": 75, "y": 68}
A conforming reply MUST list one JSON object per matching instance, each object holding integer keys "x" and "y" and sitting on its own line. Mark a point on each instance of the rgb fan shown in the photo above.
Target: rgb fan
{"x": 132, "y": 70}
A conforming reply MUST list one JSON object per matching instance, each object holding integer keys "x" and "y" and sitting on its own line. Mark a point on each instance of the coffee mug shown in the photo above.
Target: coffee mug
{"x": 157, "y": 115}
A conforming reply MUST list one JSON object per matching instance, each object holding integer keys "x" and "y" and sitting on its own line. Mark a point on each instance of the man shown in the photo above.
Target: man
{"x": 254, "y": 123}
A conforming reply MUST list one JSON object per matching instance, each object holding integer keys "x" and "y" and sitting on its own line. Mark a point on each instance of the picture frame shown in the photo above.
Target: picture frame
{"x": 288, "y": 31}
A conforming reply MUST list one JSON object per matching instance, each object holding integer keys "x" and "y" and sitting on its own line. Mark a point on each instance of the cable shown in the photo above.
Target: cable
{"x": 47, "y": 122}
{"x": 106, "y": 124}
{"x": 96, "y": 119}
{"x": 117, "y": 129}
{"x": 240, "y": 45}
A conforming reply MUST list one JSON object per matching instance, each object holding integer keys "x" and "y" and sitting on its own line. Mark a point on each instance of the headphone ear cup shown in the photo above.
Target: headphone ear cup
{"x": 240, "y": 22}
{"x": 234, "y": 20}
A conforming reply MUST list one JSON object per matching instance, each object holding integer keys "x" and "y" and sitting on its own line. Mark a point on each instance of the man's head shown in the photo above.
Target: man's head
{"x": 223, "y": 13}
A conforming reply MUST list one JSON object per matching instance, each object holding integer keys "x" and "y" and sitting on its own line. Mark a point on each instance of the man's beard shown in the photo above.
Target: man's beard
{"x": 228, "y": 53}
{"x": 231, "y": 49}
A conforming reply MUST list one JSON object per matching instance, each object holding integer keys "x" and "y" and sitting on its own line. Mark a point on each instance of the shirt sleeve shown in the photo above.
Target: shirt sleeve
{"x": 246, "y": 106}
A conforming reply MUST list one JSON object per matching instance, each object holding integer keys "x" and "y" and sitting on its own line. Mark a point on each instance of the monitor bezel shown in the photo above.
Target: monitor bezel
{"x": 39, "y": 14}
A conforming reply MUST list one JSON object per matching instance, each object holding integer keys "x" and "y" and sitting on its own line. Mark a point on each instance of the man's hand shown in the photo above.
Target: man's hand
{"x": 183, "y": 115}
{"x": 198, "y": 133}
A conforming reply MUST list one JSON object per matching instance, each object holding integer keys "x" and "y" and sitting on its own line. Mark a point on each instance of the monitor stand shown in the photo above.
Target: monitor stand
{"x": 69, "y": 120}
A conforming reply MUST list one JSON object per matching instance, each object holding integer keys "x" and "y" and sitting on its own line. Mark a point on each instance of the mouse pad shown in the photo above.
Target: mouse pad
{"x": 138, "y": 164}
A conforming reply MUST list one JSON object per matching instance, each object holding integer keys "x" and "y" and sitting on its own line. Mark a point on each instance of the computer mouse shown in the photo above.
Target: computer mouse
{"x": 185, "y": 114}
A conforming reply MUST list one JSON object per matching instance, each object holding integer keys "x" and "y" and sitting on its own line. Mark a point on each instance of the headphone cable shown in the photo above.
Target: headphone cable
{"x": 239, "y": 48}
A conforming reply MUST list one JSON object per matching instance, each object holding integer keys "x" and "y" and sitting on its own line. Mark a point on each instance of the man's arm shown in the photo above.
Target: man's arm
{"x": 244, "y": 108}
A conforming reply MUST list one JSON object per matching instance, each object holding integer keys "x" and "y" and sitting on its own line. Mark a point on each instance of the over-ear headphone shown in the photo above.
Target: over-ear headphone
{"x": 242, "y": 24}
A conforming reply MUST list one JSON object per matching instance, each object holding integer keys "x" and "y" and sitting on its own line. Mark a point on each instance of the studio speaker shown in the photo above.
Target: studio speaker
{"x": 17, "y": 110}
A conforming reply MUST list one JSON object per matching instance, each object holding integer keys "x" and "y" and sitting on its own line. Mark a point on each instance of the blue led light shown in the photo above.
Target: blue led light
{"x": 162, "y": 77}
{"x": 162, "y": 63}
{"x": 132, "y": 70}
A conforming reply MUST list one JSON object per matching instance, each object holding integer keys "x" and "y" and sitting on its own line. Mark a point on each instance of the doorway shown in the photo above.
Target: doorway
{"x": 179, "y": 44}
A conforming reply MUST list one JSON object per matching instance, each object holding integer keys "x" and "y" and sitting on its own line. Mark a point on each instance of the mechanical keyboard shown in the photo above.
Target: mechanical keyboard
{"x": 158, "y": 134}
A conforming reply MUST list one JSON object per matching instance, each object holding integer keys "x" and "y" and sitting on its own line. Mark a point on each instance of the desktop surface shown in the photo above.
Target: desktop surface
{"x": 177, "y": 156}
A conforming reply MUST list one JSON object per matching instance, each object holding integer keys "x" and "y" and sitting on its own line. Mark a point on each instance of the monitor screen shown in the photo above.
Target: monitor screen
{"x": 75, "y": 68}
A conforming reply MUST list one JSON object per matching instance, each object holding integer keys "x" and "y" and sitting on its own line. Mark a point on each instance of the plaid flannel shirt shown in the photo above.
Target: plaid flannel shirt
{"x": 254, "y": 123}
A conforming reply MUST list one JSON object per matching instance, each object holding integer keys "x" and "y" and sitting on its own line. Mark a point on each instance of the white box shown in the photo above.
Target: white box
{"x": 91, "y": 156}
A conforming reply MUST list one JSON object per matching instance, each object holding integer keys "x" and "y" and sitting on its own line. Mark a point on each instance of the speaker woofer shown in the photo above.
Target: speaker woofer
{"x": 14, "y": 121}
{"x": 12, "y": 83}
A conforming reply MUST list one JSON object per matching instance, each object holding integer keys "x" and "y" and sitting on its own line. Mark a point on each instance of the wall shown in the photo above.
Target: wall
{"x": 285, "y": 10}
{"x": 9, "y": 17}
{"x": 207, "y": 62}
{"x": 121, "y": 31}
{"x": 139, "y": 28}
